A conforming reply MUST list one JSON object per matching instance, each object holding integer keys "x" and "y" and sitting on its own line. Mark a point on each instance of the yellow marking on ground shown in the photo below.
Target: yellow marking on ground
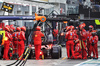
{"x": 64, "y": 58}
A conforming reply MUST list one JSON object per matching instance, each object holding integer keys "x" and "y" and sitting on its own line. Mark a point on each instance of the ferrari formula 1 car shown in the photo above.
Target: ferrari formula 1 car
{"x": 48, "y": 50}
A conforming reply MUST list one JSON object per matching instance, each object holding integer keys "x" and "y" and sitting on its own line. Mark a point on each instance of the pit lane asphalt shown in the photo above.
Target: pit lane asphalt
{"x": 49, "y": 62}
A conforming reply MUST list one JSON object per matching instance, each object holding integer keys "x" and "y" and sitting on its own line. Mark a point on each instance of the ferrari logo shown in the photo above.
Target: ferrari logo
{"x": 35, "y": 35}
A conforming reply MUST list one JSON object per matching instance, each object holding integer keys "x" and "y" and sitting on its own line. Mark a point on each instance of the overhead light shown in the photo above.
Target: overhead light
{"x": 76, "y": 20}
{"x": 71, "y": 20}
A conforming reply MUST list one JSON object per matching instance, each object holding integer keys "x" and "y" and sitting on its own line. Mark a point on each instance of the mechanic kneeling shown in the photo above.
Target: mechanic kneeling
{"x": 37, "y": 41}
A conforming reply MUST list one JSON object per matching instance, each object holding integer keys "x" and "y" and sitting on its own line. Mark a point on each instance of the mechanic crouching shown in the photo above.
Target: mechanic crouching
{"x": 78, "y": 49}
{"x": 37, "y": 41}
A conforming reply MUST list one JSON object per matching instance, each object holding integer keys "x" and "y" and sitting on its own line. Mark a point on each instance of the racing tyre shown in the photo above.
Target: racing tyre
{"x": 60, "y": 49}
{"x": 55, "y": 53}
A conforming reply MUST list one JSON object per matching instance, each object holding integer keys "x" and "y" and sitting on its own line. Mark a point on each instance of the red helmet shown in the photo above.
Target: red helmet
{"x": 38, "y": 28}
{"x": 94, "y": 31}
{"x": 12, "y": 29}
{"x": 11, "y": 25}
{"x": 68, "y": 28}
{"x": 72, "y": 27}
{"x": 90, "y": 26}
{"x": 18, "y": 29}
{"x": 8, "y": 26}
{"x": 0, "y": 28}
{"x": 82, "y": 25}
{"x": 23, "y": 28}
{"x": 7, "y": 29}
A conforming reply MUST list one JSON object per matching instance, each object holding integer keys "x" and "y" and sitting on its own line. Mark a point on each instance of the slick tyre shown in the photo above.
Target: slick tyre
{"x": 60, "y": 49}
{"x": 55, "y": 53}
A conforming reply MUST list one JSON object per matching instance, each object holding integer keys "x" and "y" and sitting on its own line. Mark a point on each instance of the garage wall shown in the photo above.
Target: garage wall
{"x": 19, "y": 10}
{"x": 23, "y": 8}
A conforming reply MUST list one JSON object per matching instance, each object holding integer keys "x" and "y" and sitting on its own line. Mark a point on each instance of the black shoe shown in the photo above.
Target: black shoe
{"x": 69, "y": 58}
{"x": 96, "y": 58}
{"x": 88, "y": 57}
{"x": 73, "y": 58}
{"x": 0, "y": 57}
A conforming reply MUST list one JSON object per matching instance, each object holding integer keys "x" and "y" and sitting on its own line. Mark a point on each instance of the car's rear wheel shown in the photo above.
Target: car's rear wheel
{"x": 60, "y": 49}
{"x": 55, "y": 53}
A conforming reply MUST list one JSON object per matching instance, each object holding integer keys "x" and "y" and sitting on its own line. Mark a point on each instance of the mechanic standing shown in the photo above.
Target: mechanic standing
{"x": 70, "y": 42}
{"x": 21, "y": 39}
{"x": 88, "y": 36}
{"x": 37, "y": 41}
{"x": 15, "y": 40}
{"x": 83, "y": 37}
{"x": 8, "y": 38}
{"x": 55, "y": 33}
{"x": 11, "y": 33}
{"x": 93, "y": 44}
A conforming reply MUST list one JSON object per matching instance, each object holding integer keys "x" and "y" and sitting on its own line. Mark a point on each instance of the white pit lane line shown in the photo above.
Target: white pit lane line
{"x": 84, "y": 62}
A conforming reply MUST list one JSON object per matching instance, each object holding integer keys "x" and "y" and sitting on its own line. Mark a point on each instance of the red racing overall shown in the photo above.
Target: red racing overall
{"x": 6, "y": 45}
{"x": 83, "y": 38}
{"x": 70, "y": 43}
{"x": 15, "y": 41}
{"x": 93, "y": 46}
{"x": 78, "y": 52}
{"x": 37, "y": 42}
{"x": 88, "y": 43}
{"x": 21, "y": 45}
